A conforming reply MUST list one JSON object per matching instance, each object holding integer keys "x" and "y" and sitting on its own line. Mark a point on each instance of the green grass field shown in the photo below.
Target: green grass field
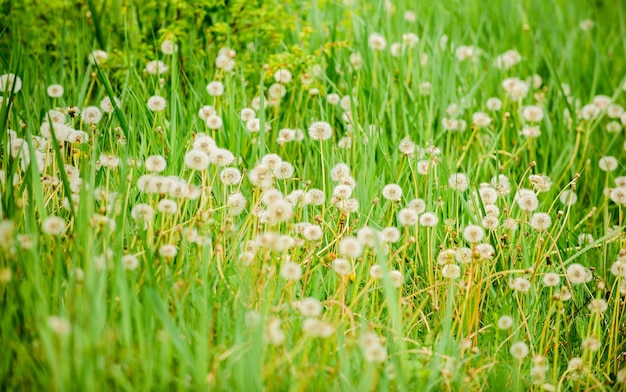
{"x": 312, "y": 195}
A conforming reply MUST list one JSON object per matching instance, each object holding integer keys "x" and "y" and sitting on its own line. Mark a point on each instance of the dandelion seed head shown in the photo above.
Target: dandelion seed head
{"x": 320, "y": 130}
{"x": 156, "y": 103}
{"x": 519, "y": 350}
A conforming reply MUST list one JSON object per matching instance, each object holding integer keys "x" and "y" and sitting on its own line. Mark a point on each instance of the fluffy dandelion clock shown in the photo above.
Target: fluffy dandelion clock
{"x": 155, "y": 163}
{"x": 342, "y": 266}
{"x": 314, "y": 197}
{"x": 375, "y": 354}
{"x": 261, "y": 176}
{"x": 407, "y": 147}
{"x": 520, "y": 284}
{"x": 156, "y": 103}
{"x": 419, "y": 205}
{"x": 55, "y": 91}
{"x": 464, "y": 52}
{"x": 614, "y": 111}
{"x": 271, "y": 160}
{"x": 274, "y": 334}
{"x": 531, "y": 131}
{"x": 590, "y": 111}
{"x": 590, "y": 343}
{"x": 247, "y": 114}
{"x": 428, "y": 219}
{"x": 494, "y": 104}
{"x": 390, "y": 234}
{"x": 601, "y": 101}
{"x": 350, "y": 206}
{"x": 221, "y": 157}
{"x": 230, "y": 176}
{"x": 98, "y": 57}
{"x": 392, "y": 192}
{"x": 508, "y": 59}
{"x": 347, "y": 102}
{"x": 613, "y": 127}
{"x": 473, "y": 234}
{"x": 526, "y": 200}
{"x": 576, "y": 273}
{"x": 10, "y": 83}
{"x": 333, "y": 99}
{"x": 291, "y": 271}
{"x": 168, "y": 47}
{"x": 317, "y": 328}
{"x": 214, "y": 122}
{"x": 451, "y": 271}
{"x": 367, "y": 236}
{"x": 206, "y": 111}
{"x": 463, "y": 255}
{"x": 424, "y": 166}
{"x": 568, "y": 197}
{"x": 284, "y": 171}
{"x": 130, "y": 262}
{"x": 271, "y": 196}
{"x": 109, "y": 161}
{"x": 481, "y": 120}
{"x": 282, "y": 76}
{"x": 551, "y": 279}
{"x": 377, "y": 41}
{"x": 310, "y": 307}
{"x": 197, "y": 160}
{"x": 488, "y": 195}
{"x": 312, "y": 232}
{"x": 540, "y": 221}
{"x": 350, "y": 247}
{"x": 356, "y": 60}
{"x": 486, "y": 251}
{"x": 236, "y": 203}
{"x": 225, "y": 62}
{"x": 618, "y": 195}
{"x": 519, "y": 350}
{"x": 395, "y": 49}
{"x": 410, "y": 39}
{"x": 396, "y": 278}
{"x": 168, "y": 251}
{"x": 340, "y": 172}
{"x": 142, "y": 212}
{"x": 533, "y": 114}
{"x": 279, "y": 211}
{"x": 276, "y": 91}
{"x": 59, "y": 325}
{"x": 107, "y": 105}
{"x": 408, "y": 217}
{"x": 53, "y": 225}
{"x": 204, "y": 143}
{"x": 598, "y": 305}
{"x": 91, "y": 115}
{"x": 458, "y": 182}
{"x": 320, "y": 130}
{"x": 167, "y": 206}
{"x": 608, "y": 163}
{"x": 516, "y": 88}
{"x": 215, "y": 88}
{"x": 156, "y": 67}
{"x": 505, "y": 322}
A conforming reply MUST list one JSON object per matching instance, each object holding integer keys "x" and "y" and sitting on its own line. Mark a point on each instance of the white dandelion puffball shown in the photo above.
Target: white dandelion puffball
{"x": 156, "y": 103}
{"x": 320, "y": 130}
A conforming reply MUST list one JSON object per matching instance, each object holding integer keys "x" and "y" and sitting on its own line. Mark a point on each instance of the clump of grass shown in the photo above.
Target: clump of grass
{"x": 395, "y": 201}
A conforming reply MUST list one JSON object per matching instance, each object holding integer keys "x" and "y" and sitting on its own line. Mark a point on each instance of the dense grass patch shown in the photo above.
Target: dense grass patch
{"x": 312, "y": 195}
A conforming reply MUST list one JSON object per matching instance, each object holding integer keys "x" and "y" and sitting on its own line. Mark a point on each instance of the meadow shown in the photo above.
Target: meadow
{"x": 312, "y": 195}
